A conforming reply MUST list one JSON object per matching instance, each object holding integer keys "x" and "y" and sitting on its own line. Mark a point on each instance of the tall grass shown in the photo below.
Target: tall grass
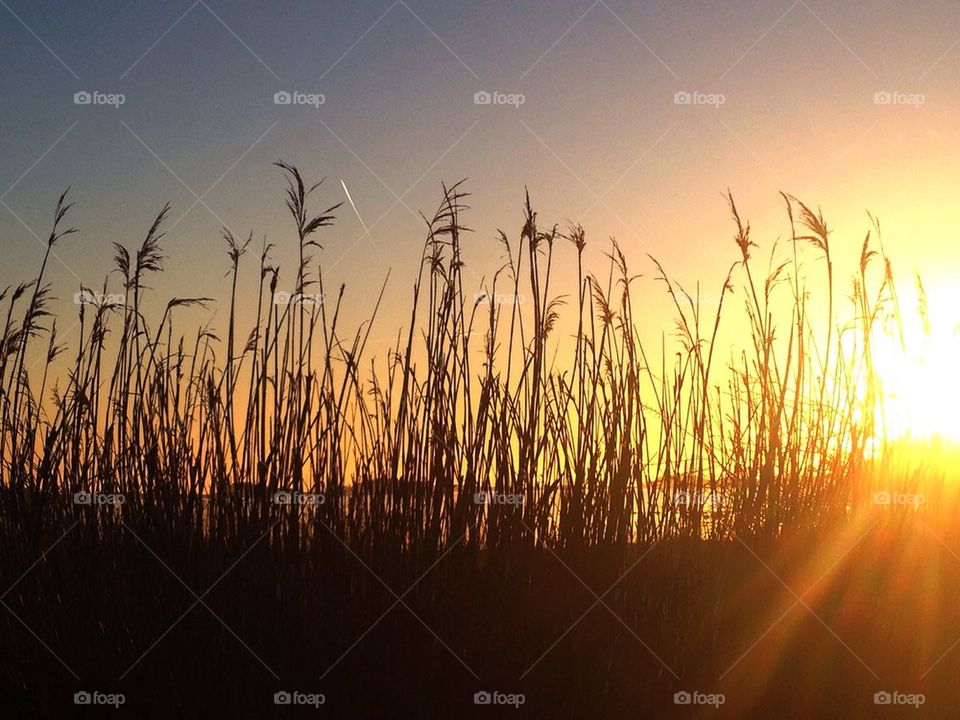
{"x": 611, "y": 441}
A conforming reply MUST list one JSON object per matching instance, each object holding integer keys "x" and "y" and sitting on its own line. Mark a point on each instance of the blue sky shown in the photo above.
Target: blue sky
{"x": 598, "y": 139}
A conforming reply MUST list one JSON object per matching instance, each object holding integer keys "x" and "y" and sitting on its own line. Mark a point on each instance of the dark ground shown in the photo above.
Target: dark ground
{"x": 865, "y": 609}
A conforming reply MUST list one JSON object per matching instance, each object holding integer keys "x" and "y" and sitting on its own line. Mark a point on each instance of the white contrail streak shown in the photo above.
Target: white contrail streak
{"x": 354, "y": 206}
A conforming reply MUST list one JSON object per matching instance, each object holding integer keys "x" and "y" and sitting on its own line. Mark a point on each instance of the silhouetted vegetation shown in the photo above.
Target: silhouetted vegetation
{"x": 490, "y": 479}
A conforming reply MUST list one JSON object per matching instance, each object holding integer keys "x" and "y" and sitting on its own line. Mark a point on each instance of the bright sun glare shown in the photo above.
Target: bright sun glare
{"x": 919, "y": 375}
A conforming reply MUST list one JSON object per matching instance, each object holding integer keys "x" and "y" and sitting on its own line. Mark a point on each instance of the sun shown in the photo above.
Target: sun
{"x": 919, "y": 373}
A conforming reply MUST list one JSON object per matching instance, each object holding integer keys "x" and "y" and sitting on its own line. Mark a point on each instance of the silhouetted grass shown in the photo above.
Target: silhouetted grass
{"x": 661, "y": 469}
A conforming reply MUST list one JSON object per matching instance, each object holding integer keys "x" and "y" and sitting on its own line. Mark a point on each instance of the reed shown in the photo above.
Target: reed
{"x": 603, "y": 444}
{"x": 321, "y": 466}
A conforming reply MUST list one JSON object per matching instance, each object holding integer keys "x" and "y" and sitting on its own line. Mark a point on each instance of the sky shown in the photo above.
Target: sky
{"x": 850, "y": 106}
